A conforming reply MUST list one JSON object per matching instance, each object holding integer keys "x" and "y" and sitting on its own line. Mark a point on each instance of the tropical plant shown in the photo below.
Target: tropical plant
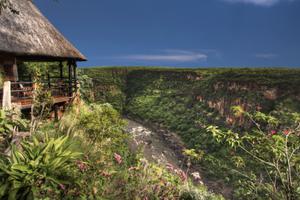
{"x": 10, "y": 123}
{"x": 35, "y": 165}
{"x": 274, "y": 146}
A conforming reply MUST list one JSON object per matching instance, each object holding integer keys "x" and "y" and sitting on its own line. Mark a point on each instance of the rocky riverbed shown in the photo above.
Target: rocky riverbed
{"x": 166, "y": 148}
{"x": 156, "y": 147}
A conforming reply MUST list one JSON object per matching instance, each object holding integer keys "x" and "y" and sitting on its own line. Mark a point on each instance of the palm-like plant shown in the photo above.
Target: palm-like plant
{"x": 34, "y": 164}
{"x": 10, "y": 122}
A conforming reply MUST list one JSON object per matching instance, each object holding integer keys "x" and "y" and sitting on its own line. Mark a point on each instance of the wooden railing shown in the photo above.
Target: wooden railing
{"x": 60, "y": 87}
{"x": 22, "y": 91}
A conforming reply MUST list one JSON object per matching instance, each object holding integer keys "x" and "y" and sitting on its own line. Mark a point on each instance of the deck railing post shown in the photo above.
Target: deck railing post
{"x": 75, "y": 75}
{"x": 49, "y": 81}
{"x": 6, "y": 100}
{"x": 61, "y": 70}
{"x": 70, "y": 78}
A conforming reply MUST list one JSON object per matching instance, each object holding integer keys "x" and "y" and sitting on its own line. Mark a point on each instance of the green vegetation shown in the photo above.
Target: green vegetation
{"x": 36, "y": 166}
{"x": 254, "y": 149}
{"x": 83, "y": 156}
{"x": 188, "y": 101}
{"x": 267, "y": 156}
{"x": 110, "y": 86}
{"x": 10, "y": 122}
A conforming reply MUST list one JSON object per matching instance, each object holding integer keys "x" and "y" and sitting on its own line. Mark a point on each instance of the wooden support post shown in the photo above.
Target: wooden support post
{"x": 75, "y": 75}
{"x": 49, "y": 81}
{"x": 61, "y": 70}
{"x": 15, "y": 71}
{"x": 70, "y": 78}
{"x": 56, "y": 117}
{"x": 10, "y": 70}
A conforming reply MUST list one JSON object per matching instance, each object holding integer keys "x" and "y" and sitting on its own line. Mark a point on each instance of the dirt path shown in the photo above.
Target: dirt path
{"x": 164, "y": 147}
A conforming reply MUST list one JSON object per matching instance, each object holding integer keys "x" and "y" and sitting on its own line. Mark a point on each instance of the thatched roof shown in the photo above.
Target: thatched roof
{"x": 30, "y": 35}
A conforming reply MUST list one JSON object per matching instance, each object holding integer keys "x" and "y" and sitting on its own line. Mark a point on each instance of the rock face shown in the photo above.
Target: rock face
{"x": 271, "y": 94}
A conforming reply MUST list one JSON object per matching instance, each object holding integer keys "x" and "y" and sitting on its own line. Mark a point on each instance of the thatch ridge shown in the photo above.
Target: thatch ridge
{"x": 30, "y": 34}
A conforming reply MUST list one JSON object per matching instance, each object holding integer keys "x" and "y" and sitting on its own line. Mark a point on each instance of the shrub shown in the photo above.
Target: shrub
{"x": 86, "y": 156}
{"x": 198, "y": 193}
{"x": 110, "y": 170}
{"x": 10, "y": 123}
{"x": 36, "y": 165}
{"x": 96, "y": 122}
{"x": 86, "y": 86}
{"x": 272, "y": 151}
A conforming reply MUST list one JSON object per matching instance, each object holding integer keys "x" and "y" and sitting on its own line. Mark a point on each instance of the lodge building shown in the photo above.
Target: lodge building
{"x": 29, "y": 37}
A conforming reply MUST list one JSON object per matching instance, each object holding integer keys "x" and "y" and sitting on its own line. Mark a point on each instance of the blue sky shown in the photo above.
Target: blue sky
{"x": 183, "y": 33}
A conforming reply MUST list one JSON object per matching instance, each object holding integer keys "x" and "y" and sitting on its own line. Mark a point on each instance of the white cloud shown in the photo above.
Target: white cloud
{"x": 258, "y": 2}
{"x": 266, "y": 55}
{"x": 174, "y": 55}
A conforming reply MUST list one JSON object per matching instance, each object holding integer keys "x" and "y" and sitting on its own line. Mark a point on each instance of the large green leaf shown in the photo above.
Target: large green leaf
{"x": 21, "y": 168}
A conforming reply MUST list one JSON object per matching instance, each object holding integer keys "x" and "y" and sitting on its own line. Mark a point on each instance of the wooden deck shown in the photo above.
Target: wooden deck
{"x": 21, "y": 93}
{"x": 27, "y": 103}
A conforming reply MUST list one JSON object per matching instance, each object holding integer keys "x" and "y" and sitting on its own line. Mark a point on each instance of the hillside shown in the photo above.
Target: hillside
{"x": 188, "y": 101}
{"x": 220, "y": 88}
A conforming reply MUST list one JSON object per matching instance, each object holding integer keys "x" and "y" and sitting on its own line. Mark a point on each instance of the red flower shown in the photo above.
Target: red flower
{"x": 118, "y": 158}
{"x": 170, "y": 167}
{"x": 183, "y": 175}
{"x": 273, "y": 132}
{"x": 286, "y": 132}
{"x": 62, "y": 187}
{"x": 105, "y": 174}
{"x": 82, "y": 166}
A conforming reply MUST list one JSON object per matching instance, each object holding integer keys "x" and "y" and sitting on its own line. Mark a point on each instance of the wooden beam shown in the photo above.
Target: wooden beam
{"x": 75, "y": 75}
{"x": 70, "y": 78}
{"x": 49, "y": 80}
{"x": 56, "y": 113}
{"x": 10, "y": 69}
{"x": 61, "y": 70}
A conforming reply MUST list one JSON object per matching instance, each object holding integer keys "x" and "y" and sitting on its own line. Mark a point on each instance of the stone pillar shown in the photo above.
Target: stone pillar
{"x": 6, "y": 101}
